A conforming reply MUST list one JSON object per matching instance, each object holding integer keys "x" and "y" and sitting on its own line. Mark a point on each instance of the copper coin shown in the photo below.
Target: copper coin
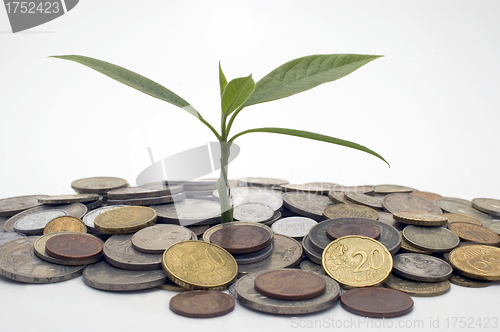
{"x": 475, "y": 233}
{"x": 376, "y": 302}
{"x": 455, "y": 217}
{"x": 241, "y": 239}
{"x": 202, "y": 304}
{"x": 290, "y": 285}
{"x": 352, "y": 226}
{"x": 73, "y": 246}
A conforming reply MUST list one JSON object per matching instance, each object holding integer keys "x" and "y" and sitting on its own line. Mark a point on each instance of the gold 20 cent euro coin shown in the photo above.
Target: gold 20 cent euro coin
{"x": 357, "y": 261}
{"x": 199, "y": 265}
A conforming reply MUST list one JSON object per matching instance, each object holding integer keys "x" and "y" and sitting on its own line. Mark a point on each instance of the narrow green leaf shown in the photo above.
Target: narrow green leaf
{"x": 314, "y": 136}
{"x": 222, "y": 80}
{"x": 236, "y": 93}
{"x": 305, "y": 73}
{"x": 133, "y": 80}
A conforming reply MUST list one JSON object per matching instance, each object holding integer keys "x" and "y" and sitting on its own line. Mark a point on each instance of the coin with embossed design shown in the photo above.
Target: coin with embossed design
{"x": 119, "y": 252}
{"x": 453, "y": 206}
{"x": 373, "y": 202}
{"x": 202, "y": 304}
{"x": 455, "y": 217}
{"x": 73, "y": 246}
{"x": 307, "y": 205}
{"x": 435, "y": 239}
{"x": 18, "y": 262}
{"x": 417, "y": 288}
{"x": 13, "y": 205}
{"x": 357, "y": 261}
{"x": 477, "y": 261}
{"x": 241, "y": 239}
{"x": 157, "y": 238}
{"x": 475, "y": 233}
{"x": 352, "y": 226}
{"x": 33, "y": 222}
{"x": 408, "y": 202}
{"x": 253, "y": 212}
{"x": 65, "y": 223}
{"x": 290, "y": 284}
{"x": 349, "y": 211}
{"x": 123, "y": 220}
{"x": 421, "y": 267}
{"x": 199, "y": 265}
{"x": 296, "y": 227}
{"x": 487, "y": 205}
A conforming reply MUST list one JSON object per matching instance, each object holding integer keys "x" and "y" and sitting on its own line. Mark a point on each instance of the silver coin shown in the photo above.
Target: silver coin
{"x": 106, "y": 277}
{"x": 252, "y": 212}
{"x": 204, "y": 184}
{"x": 89, "y": 218}
{"x": 452, "y": 206}
{"x": 487, "y": 205}
{"x": 261, "y": 182}
{"x": 307, "y": 188}
{"x": 199, "y": 193}
{"x": 436, "y": 239}
{"x": 208, "y": 233}
{"x": 13, "y": 205}
{"x": 188, "y": 212}
{"x": 76, "y": 210}
{"x": 390, "y": 237}
{"x": 97, "y": 185}
{"x": 421, "y": 267}
{"x": 243, "y": 195}
{"x": 8, "y": 236}
{"x": 494, "y": 226}
{"x": 363, "y": 199}
{"x": 254, "y": 257}
{"x": 157, "y": 238}
{"x": 94, "y": 205}
{"x": 148, "y": 200}
{"x": 68, "y": 199}
{"x": 286, "y": 253}
{"x": 296, "y": 227}
{"x": 310, "y": 252}
{"x": 18, "y": 262}
{"x": 39, "y": 247}
{"x": 408, "y": 202}
{"x": 388, "y": 218}
{"x": 276, "y": 216}
{"x": 119, "y": 252}
{"x": 458, "y": 200}
{"x": 307, "y": 205}
{"x": 35, "y": 222}
{"x": 308, "y": 265}
{"x": 337, "y": 197}
{"x": 232, "y": 290}
{"x": 248, "y": 296}
{"x": 386, "y": 189}
{"x": 2, "y": 221}
{"x": 146, "y": 191}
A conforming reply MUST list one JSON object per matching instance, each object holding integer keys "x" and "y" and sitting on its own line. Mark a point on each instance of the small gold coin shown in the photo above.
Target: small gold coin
{"x": 65, "y": 224}
{"x": 349, "y": 211}
{"x": 357, "y": 261}
{"x": 477, "y": 261}
{"x": 455, "y": 217}
{"x": 420, "y": 218}
{"x": 199, "y": 265}
{"x": 124, "y": 220}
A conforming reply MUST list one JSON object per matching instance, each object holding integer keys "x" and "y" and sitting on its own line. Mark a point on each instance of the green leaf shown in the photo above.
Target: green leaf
{"x": 133, "y": 80}
{"x": 222, "y": 80}
{"x": 305, "y": 73}
{"x": 314, "y": 136}
{"x": 236, "y": 93}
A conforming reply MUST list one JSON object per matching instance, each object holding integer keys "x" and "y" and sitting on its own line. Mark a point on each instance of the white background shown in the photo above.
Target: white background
{"x": 430, "y": 107}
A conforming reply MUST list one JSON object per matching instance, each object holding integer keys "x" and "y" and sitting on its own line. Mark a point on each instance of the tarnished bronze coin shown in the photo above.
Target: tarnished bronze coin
{"x": 408, "y": 202}
{"x": 65, "y": 223}
{"x": 420, "y": 218}
{"x": 376, "y": 302}
{"x": 124, "y": 220}
{"x": 349, "y": 211}
{"x": 97, "y": 185}
{"x": 202, "y": 304}
{"x": 475, "y": 233}
{"x": 73, "y": 246}
{"x": 290, "y": 284}
{"x": 455, "y": 217}
{"x": 241, "y": 239}
{"x": 352, "y": 226}
{"x": 464, "y": 281}
{"x": 417, "y": 288}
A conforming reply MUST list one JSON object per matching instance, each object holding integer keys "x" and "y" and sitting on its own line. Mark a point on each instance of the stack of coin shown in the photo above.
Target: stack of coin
{"x": 270, "y": 183}
{"x": 152, "y": 194}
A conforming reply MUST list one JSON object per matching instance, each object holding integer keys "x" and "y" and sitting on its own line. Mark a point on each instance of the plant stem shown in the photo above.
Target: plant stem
{"x": 222, "y": 186}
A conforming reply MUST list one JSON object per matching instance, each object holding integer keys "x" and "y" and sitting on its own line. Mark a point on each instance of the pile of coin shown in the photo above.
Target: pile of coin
{"x": 293, "y": 249}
